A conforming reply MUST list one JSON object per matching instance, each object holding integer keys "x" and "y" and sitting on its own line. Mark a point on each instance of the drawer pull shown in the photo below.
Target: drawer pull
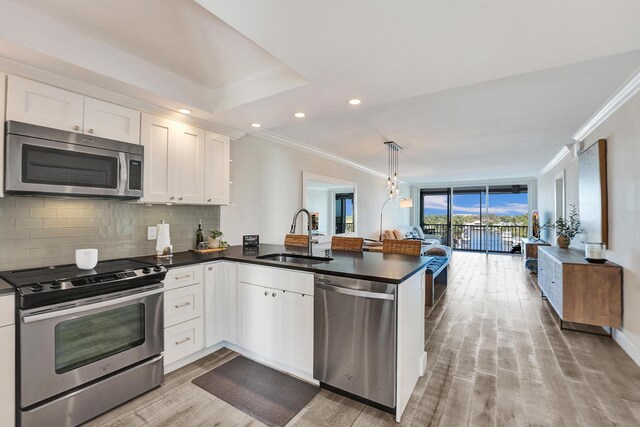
{"x": 182, "y": 305}
{"x": 273, "y": 294}
{"x": 210, "y": 268}
{"x": 186, "y": 276}
{"x": 266, "y": 294}
{"x": 187, "y": 339}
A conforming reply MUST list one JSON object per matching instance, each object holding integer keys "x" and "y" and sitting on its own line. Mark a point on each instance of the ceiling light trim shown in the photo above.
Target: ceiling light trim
{"x": 624, "y": 94}
{"x": 289, "y": 142}
{"x": 564, "y": 151}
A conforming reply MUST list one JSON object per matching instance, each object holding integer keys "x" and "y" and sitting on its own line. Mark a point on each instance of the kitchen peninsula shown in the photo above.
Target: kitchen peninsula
{"x": 264, "y": 309}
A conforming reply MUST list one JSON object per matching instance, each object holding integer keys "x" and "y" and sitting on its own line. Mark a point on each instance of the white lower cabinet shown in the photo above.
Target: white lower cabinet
{"x": 294, "y": 330}
{"x": 183, "y": 340}
{"x": 183, "y": 313}
{"x": 7, "y": 360}
{"x": 259, "y": 311}
{"x": 220, "y": 296}
{"x": 275, "y": 321}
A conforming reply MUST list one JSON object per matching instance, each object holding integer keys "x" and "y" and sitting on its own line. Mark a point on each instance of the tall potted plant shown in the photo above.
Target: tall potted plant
{"x": 567, "y": 229}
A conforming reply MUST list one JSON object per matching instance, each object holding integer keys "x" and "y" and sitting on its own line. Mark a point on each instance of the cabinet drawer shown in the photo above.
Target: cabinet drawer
{"x": 277, "y": 278}
{"x": 182, "y": 304}
{"x": 183, "y": 276}
{"x": 7, "y": 310}
{"x": 183, "y": 340}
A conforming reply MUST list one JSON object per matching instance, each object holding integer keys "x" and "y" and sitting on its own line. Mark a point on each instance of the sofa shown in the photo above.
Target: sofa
{"x": 432, "y": 243}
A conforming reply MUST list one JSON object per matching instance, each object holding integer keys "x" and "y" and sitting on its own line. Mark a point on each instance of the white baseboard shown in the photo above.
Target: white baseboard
{"x": 630, "y": 347}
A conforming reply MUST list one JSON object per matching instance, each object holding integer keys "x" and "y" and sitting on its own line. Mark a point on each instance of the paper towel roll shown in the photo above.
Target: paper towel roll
{"x": 163, "y": 240}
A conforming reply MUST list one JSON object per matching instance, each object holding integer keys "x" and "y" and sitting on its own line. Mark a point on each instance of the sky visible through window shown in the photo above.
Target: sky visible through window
{"x": 469, "y": 204}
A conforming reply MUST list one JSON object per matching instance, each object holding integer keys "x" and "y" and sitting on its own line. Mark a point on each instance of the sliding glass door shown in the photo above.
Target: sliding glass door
{"x": 479, "y": 218}
{"x": 436, "y": 213}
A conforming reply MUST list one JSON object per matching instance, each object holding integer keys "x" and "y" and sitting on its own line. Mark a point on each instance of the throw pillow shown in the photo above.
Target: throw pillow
{"x": 399, "y": 234}
{"x": 418, "y": 230}
{"x": 436, "y": 251}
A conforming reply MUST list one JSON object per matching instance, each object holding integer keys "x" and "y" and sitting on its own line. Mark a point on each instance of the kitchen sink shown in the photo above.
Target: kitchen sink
{"x": 295, "y": 258}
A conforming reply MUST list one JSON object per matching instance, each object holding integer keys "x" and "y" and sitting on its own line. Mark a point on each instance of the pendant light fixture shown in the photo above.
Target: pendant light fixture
{"x": 393, "y": 181}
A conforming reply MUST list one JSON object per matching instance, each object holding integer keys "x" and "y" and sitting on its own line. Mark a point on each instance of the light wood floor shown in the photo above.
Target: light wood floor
{"x": 496, "y": 356}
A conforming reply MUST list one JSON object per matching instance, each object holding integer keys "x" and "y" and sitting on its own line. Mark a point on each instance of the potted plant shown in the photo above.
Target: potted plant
{"x": 567, "y": 229}
{"x": 214, "y": 240}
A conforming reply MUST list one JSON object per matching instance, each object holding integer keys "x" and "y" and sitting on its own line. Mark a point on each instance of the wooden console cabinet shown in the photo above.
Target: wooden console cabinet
{"x": 580, "y": 291}
{"x": 530, "y": 247}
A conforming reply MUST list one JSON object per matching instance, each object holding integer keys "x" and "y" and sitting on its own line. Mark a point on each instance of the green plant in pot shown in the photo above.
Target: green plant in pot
{"x": 567, "y": 229}
{"x": 215, "y": 239}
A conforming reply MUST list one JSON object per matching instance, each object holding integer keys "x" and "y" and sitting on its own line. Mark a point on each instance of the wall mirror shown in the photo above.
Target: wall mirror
{"x": 593, "y": 193}
{"x": 332, "y": 203}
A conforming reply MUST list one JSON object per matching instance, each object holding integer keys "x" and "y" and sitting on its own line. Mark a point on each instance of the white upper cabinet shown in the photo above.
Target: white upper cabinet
{"x": 111, "y": 121}
{"x": 183, "y": 164}
{"x": 44, "y": 105}
{"x": 174, "y": 161}
{"x": 189, "y": 173}
{"x": 216, "y": 169}
{"x": 157, "y": 137}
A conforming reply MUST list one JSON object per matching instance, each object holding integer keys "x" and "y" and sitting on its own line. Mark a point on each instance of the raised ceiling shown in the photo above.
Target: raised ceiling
{"x": 471, "y": 90}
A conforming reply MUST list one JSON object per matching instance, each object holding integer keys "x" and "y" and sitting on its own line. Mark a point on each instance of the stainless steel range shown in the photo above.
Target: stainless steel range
{"x": 87, "y": 340}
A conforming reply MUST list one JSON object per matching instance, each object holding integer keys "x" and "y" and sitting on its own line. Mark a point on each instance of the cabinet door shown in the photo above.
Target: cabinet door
{"x": 294, "y": 329}
{"x": 7, "y": 375}
{"x": 543, "y": 273}
{"x": 157, "y": 137}
{"x": 112, "y": 121}
{"x": 189, "y": 166}
{"x": 220, "y": 303}
{"x": 255, "y": 318}
{"x": 216, "y": 172}
{"x": 44, "y": 105}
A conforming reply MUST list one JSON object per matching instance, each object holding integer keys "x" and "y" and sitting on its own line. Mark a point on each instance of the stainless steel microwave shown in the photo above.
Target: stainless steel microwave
{"x": 45, "y": 161}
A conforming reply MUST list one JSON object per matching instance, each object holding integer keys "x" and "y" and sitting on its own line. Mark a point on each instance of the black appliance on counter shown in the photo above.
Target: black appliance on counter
{"x": 88, "y": 340}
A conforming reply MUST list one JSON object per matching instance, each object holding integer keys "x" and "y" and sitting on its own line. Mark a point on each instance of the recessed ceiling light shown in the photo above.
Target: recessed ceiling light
{"x": 300, "y": 115}
{"x": 354, "y": 101}
{"x": 185, "y": 111}
{"x": 256, "y": 125}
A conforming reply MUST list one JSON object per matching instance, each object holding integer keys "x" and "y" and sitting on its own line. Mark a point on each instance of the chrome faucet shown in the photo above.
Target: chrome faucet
{"x": 293, "y": 226}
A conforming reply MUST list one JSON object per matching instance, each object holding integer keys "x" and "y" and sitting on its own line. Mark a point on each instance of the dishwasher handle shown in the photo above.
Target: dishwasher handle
{"x": 355, "y": 292}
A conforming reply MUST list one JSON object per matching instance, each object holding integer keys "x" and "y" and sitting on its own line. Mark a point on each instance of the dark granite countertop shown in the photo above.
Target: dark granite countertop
{"x": 388, "y": 268}
{"x": 5, "y": 288}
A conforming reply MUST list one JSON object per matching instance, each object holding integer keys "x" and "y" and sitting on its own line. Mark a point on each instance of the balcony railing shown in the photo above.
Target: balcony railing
{"x": 495, "y": 238}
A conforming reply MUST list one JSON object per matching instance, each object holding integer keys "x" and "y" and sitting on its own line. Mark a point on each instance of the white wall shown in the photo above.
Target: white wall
{"x": 622, "y": 132}
{"x": 267, "y": 190}
{"x": 320, "y": 201}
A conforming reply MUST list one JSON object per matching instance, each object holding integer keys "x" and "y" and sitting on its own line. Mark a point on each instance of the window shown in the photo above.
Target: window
{"x": 344, "y": 213}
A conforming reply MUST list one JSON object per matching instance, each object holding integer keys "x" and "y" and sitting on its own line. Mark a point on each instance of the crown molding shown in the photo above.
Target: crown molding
{"x": 625, "y": 93}
{"x": 289, "y": 142}
{"x": 564, "y": 151}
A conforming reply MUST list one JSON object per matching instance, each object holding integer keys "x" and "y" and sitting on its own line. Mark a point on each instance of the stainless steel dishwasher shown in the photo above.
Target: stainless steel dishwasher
{"x": 355, "y": 338}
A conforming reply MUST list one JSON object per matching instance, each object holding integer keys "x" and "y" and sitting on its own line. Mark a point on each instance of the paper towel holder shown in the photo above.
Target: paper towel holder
{"x": 165, "y": 247}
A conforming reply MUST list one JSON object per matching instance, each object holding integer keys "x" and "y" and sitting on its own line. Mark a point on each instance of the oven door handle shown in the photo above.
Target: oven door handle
{"x": 30, "y": 318}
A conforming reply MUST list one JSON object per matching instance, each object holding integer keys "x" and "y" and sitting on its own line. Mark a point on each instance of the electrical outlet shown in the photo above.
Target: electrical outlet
{"x": 152, "y": 232}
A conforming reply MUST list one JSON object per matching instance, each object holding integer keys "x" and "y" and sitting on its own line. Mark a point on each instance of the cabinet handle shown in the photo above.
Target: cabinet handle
{"x": 90, "y": 131}
{"x": 187, "y": 339}
{"x": 186, "y": 276}
{"x": 273, "y": 294}
{"x": 266, "y": 294}
{"x": 209, "y": 200}
{"x": 210, "y": 268}
{"x": 76, "y": 127}
{"x": 172, "y": 198}
{"x": 179, "y": 198}
{"x": 182, "y": 305}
